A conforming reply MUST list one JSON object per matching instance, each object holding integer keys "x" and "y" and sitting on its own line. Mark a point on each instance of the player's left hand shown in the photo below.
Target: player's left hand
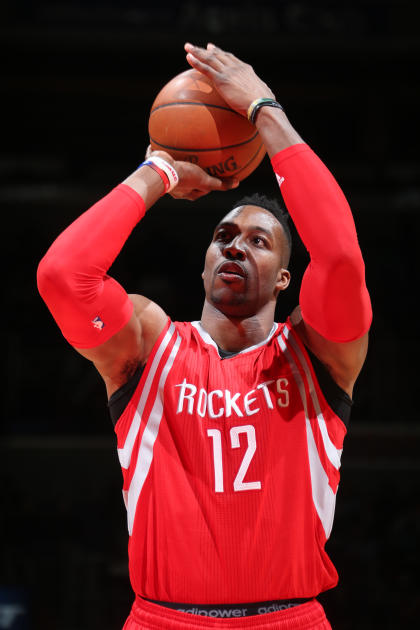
{"x": 235, "y": 80}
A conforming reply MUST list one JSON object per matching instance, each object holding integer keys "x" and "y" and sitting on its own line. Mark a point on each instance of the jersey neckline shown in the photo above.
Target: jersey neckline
{"x": 208, "y": 339}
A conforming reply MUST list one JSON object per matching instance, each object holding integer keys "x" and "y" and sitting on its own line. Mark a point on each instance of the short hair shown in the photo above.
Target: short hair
{"x": 272, "y": 206}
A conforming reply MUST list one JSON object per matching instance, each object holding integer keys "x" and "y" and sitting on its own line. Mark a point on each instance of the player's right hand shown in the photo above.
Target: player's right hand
{"x": 194, "y": 182}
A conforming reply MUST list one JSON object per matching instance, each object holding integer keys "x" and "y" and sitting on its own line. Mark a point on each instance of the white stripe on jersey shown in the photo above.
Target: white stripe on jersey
{"x": 145, "y": 454}
{"x": 124, "y": 454}
{"x": 333, "y": 453}
{"x": 322, "y": 494}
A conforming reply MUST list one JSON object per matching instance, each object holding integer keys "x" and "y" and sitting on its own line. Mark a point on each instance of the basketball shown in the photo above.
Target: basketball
{"x": 190, "y": 121}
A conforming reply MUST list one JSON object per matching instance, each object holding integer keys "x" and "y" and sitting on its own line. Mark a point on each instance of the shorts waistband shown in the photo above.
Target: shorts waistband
{"x": 232, "y": 611}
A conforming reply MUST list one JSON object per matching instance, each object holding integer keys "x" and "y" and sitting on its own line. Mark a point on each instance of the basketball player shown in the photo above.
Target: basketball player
{"x": 229, "y": 429}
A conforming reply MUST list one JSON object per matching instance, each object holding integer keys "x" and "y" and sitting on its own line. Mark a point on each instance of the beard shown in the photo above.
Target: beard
{"x": 234, "y": 302}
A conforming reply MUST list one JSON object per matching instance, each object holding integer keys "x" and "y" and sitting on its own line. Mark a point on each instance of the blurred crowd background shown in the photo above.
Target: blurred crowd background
{"x": 77, "y": 84}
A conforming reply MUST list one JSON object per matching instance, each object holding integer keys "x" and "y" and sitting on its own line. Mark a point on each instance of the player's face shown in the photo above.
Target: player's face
{"x": 243, "y": 267}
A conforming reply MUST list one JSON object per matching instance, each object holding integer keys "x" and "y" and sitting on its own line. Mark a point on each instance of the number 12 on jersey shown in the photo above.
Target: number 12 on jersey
{"x": 239, "y": 484}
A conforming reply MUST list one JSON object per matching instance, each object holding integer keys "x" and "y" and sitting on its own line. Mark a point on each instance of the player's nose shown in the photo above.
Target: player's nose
{"x": 235, "y": 250}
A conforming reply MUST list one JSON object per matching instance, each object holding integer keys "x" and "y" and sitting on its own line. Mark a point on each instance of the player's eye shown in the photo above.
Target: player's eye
{"x": 223, "y": 236}
{"x": 259, "y": 241}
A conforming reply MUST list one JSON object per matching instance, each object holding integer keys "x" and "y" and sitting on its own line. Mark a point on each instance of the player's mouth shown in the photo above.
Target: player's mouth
{"x": 231, "y": 272}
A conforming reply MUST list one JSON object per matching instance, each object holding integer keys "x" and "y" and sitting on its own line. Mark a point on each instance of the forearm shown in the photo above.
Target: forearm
{"x": 88, "y": 305}
{"x": 333, "y": 298}
{"x": 275, "y": 130}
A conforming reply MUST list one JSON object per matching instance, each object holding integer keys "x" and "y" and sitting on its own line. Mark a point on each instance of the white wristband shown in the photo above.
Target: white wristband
{"x": 158, "y": 164}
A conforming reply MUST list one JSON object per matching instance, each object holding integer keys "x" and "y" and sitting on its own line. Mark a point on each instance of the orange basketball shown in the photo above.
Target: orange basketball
{"x": 190, "y": 121}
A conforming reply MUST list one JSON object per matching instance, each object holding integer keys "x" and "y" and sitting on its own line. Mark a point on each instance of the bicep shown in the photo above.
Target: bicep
{"x": 117, "y": 359}
{"x": 343, "y": 361}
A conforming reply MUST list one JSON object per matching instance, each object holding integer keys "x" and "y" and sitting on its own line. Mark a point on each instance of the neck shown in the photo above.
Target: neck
{"x": 234, "y": 334}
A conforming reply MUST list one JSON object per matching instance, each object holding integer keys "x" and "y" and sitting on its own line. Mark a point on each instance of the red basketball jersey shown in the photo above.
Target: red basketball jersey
{"x": 231, "y": 468}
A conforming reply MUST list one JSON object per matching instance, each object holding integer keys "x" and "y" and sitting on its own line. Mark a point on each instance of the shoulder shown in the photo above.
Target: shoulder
{"x": 161, "y": 354}
{"x": 312, "y": 374}
{"x": 118, "y": 358}
{"x": 152, "y": 320}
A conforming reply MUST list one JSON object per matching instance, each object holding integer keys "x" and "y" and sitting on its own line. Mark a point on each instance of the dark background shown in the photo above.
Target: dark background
{"x": 78, "y": 82}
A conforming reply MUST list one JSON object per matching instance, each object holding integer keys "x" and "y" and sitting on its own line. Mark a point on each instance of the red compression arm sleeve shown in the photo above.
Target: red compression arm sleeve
{"x": 86, "y": 303}
{"x": 333, "y": 297}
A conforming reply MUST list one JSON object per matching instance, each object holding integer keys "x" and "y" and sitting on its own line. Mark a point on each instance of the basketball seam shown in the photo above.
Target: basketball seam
{"x": 228, "y": 109}
{"x": 249, "y": 161}
{"x": 192, "y": 150}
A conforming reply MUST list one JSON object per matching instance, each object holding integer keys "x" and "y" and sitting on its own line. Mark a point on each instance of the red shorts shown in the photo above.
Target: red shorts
{"x": 148, "y": 616}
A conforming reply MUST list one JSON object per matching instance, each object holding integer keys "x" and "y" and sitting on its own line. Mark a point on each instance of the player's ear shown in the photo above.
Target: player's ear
{"x": 283, "y": 280}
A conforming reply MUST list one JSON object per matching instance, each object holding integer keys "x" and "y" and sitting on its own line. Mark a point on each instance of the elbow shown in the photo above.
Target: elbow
{"x": 49, "y": 275}
{"x": 44, "y": 275}
{"x": 63, "y": 278}
{"x": 335, "y": 300}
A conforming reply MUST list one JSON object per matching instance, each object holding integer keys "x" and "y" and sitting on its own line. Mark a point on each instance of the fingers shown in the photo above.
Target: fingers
{"x": 229, "y": 183}
{"x": 208, "y": 61}
{"x": 194, "y": 182}
{"x": 192, "y": 195}
{"x": 221, "y": 54}
{"x": 192, "y": 177}
{"x": 211, "y": 52}
{"x": 199, "y": 65}
{"x": 214, "y": 183}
